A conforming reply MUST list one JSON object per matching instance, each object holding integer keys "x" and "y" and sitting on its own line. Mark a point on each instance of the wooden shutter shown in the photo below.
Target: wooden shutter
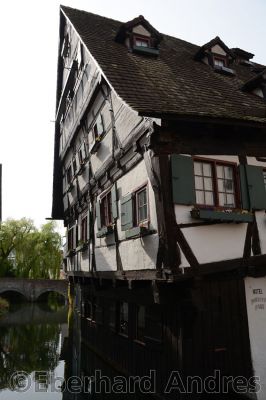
{"x": 183, "y": 183}
{"x": 114, "y": 202}
{"x": 126, "y": 212}
{"x": 244, "y": 187}
{"x": 256, "y": 187}
{"x": 98, "y": 215}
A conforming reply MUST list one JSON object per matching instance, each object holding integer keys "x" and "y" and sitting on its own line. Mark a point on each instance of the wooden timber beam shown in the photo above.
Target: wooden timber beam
{"x": 208, "y": 139}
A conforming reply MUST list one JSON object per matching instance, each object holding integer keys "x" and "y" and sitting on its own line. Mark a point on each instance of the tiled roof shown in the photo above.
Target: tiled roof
{"x": 172, "y": 83}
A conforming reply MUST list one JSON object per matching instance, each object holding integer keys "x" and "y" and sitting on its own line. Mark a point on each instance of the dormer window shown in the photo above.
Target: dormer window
{"x": 219, "y": 61}
{"x": 142, "y": 42}
{"x": 216, "y": 54}
{"x": 139, "y": 36}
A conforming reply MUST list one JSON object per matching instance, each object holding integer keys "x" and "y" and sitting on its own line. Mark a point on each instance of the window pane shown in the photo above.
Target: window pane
{"x": 229, "y": 186}
{"x": 230, "y": 200}
{"x": 219, "y": 171}
{"x": 198, "y": 168}
{"x": 222, "y": 199}
{"x": 221, "y": 187}
{"x": 142, "y": 213}
{"x": 207, "y": 169}
{"x": 142, "y": 197}
{"x": 208, "y": 183}
{"x": 198, "y": 182}
{"x": 228, "y": 172}
{"x": 199, "y": 197}
{"x": 209, "y": 198}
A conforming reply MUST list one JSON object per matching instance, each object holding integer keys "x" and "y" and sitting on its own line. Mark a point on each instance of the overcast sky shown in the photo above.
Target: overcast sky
{"x": 29, "y": 33}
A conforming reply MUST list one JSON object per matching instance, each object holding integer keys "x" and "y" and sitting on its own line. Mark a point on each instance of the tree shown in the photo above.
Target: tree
{"x": 28, "y": 252}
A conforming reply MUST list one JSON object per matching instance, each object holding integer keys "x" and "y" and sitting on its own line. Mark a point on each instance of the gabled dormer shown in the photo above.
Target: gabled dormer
{"x": 216, "y": 54}
{"x": 242, "y": 57}
{"x": 257, "y": 85}
{"x": 139, "y": 36}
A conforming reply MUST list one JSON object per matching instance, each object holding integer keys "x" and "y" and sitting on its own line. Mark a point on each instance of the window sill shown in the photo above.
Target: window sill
{"x": 226, "y": 215}
{"x": 105, "y": 231}
{"x": 224, "y": 70}
{"x": 145, "y": 50}
{"x": 95, "y": 146}
{"x": 138, "y": 231}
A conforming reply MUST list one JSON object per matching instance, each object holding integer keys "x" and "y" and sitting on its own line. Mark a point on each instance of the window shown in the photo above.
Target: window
{"x": 123, "y": 318}
{"x": 84, "y": 229}
{"x": 82, "y": 153}
{"x": 70, "y": 239}
{"x": 141, "y": 206}
{"x": 142, "y": 42}
{"x": 106, "y": 210}
{"x": 215, "y": 183}
{"x": 98, "y": 128}
{"x": 219, "y": 62}
{"x": 135, "y": 212}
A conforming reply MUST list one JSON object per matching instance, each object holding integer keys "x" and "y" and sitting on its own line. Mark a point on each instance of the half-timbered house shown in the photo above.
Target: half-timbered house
{"x": 159, "y": 176}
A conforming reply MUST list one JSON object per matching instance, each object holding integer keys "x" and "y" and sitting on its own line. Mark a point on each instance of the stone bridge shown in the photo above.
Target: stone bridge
{"x": 32, "y": 289}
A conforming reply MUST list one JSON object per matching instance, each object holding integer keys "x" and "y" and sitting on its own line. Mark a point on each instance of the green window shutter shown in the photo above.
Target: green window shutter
{"x": 256, "y": 187}
{"x": 98, "y": 215}
{"x": 183, "y": 182}
{"x": 127, "y": 212}
{"x": 244, "y": 187}
{"x": 114, "y": 202}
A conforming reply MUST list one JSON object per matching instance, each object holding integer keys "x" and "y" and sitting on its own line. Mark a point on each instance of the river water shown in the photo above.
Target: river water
{"x": 31, "y": 343}
{"x": 42, "y": 356}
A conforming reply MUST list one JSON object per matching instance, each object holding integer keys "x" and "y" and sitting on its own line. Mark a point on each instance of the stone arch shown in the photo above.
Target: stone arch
{"x": 51, "y": 290}
{"x": 14, "y": 290}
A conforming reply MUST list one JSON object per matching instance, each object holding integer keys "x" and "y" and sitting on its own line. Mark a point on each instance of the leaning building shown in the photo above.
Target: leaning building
{"x": 159, "y": 177}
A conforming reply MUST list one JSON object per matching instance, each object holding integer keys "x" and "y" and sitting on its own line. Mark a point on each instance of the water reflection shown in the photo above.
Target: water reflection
{"x": 29, "y": 341}
{"x": 33, "y": 338}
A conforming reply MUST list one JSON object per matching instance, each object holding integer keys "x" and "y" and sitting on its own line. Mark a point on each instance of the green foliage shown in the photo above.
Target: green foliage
{"x": 28, "y": 252}
{"x": 4, "y": 306}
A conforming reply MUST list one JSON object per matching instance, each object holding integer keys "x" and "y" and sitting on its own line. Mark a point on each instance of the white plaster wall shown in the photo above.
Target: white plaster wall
{"x": 218, "y": 50}
{"x": 254, "y": 161}
{"x": 261, "y": 221}
{"x": 139, "y": 29}
{"x": 84, "y": 260}
{"x": 129, "y": 183}
{"x": 83, "y": 178}
{"x": 139, "y": 253}
{"x": 126, "y": 119}
{"x": 105, "y": 258}
{"x": 258, "y": 92}
{"x": 256, "y": 309}
{"x": 216, "y": 242}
